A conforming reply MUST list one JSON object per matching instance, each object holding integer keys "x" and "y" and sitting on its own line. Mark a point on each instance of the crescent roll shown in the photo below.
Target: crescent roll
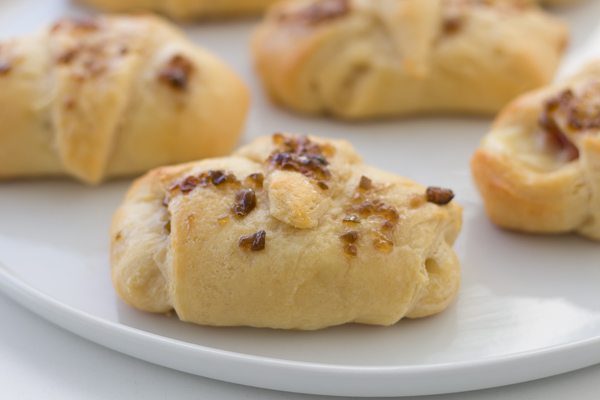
{"x": 113, "y": 96}
{"x": 380, "y": 58}
{"x": 185, "y": 9}
{"x": 539, "y": 168}
{"x": 290, "y": 232}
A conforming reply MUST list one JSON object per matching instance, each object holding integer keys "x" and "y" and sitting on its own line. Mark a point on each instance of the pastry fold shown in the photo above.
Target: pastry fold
{"x": 538, "y": 170}
{"x": 113, "y": 96}
{"x": 290, "y": 232}
{"x": 366, "y": 59}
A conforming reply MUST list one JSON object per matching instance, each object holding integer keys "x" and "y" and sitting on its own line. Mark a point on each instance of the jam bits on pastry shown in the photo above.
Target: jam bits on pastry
{"x": 245, "y": 202}
{"x": 379, "y": 218}
{"x": 439, "y": 196}
{"x": 256, "y": 179}
{"x": 349, "y": 240}
{"x": 301, "y": 155}
{"x": 204, "y": 179}
{"x": 254, "y": 242}
{"x": 177, "y": 72}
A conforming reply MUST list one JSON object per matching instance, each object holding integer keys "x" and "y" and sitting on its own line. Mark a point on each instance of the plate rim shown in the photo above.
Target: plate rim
{"x": 291, "y": 375}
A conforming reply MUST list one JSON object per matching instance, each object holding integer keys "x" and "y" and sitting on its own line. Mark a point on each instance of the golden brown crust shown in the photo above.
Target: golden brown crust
{"x": 538, "y": 169}
{"x": 357, "y": 59}
{"x": 113, "y": 96}
{"x": 326, "y": 240}
{"x": 186, "y": 9}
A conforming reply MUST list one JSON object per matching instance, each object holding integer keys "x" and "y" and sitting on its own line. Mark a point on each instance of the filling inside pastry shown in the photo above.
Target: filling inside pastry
{"x": 551, "y": 140}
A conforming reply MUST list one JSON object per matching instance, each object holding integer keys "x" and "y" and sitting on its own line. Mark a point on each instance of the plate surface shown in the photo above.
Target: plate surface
{"x": 529, "y": 306}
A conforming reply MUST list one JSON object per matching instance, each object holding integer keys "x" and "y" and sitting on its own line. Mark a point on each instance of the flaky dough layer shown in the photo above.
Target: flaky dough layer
{"x": 322, "y": 240}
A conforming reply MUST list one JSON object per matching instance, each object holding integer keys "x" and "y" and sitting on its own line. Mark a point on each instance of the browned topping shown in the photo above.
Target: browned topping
{"x": 387, "y": 225}
{"x": 168, "y": 227}
{"x": 5, "y": 67}
{"x": 256, "y": 180}
{"x": 350, "y": 249}
{"x": 223, "y": 220}
{"x": 452, "y": 24}
{"x": 352, "y": 219}
{"x": 79, "y": 23}
{"x": 214, "y": 177}
{"x": 188, "y": 184}
{"x": 317, "y": 12}
{"x": 301, "y": 155}
{"x": 382, "y": 243}
{"x": 323, "y": 185}
{"x": 245, "y": 202}
{"x": 255, "y": 242}
{"x": 376, "y": 207}
{"x": 373, "y": 210}
{"x": 177, "y": 72}
{"x": 439, "y": 196}
{"x": 365, "y": 183}
{"x": 350, "y": 237}
{"x": 70, "y": 103}
{"x": 67, "y": 56}
{"x": 118, "y": 236}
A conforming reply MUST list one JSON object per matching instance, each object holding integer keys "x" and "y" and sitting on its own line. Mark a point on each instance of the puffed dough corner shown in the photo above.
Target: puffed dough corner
{"x": 113, "y": 96}
{"x": 538, "y": 170}
{"x": 360, "y": 59}
{"x": 290, "y": 232}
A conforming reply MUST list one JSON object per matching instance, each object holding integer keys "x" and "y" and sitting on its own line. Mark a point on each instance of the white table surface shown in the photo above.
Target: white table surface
{"x": 41, "y": 361}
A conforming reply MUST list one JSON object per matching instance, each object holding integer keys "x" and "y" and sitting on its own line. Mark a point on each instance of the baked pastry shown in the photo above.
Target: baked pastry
{"x": 113, "y": 96}
{"x": 290, "y": 232}
{"x": 186, "y": 9}
{"x": 364, "y": 59}
{"x": 539, "y": 168}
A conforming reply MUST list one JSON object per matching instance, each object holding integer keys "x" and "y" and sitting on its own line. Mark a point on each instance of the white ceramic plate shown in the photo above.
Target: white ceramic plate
{"x": 529, "y": 306}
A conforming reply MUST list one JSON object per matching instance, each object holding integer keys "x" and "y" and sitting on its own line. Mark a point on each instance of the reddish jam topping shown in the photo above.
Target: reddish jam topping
{"x": 254, "y": 242}
{"x": 301, "y": 155}
{"x": 177, "y": 72}
{"x": 214, "y": 177}
{"x": 245, "y": 202}
{"x": 439, "y": 196}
